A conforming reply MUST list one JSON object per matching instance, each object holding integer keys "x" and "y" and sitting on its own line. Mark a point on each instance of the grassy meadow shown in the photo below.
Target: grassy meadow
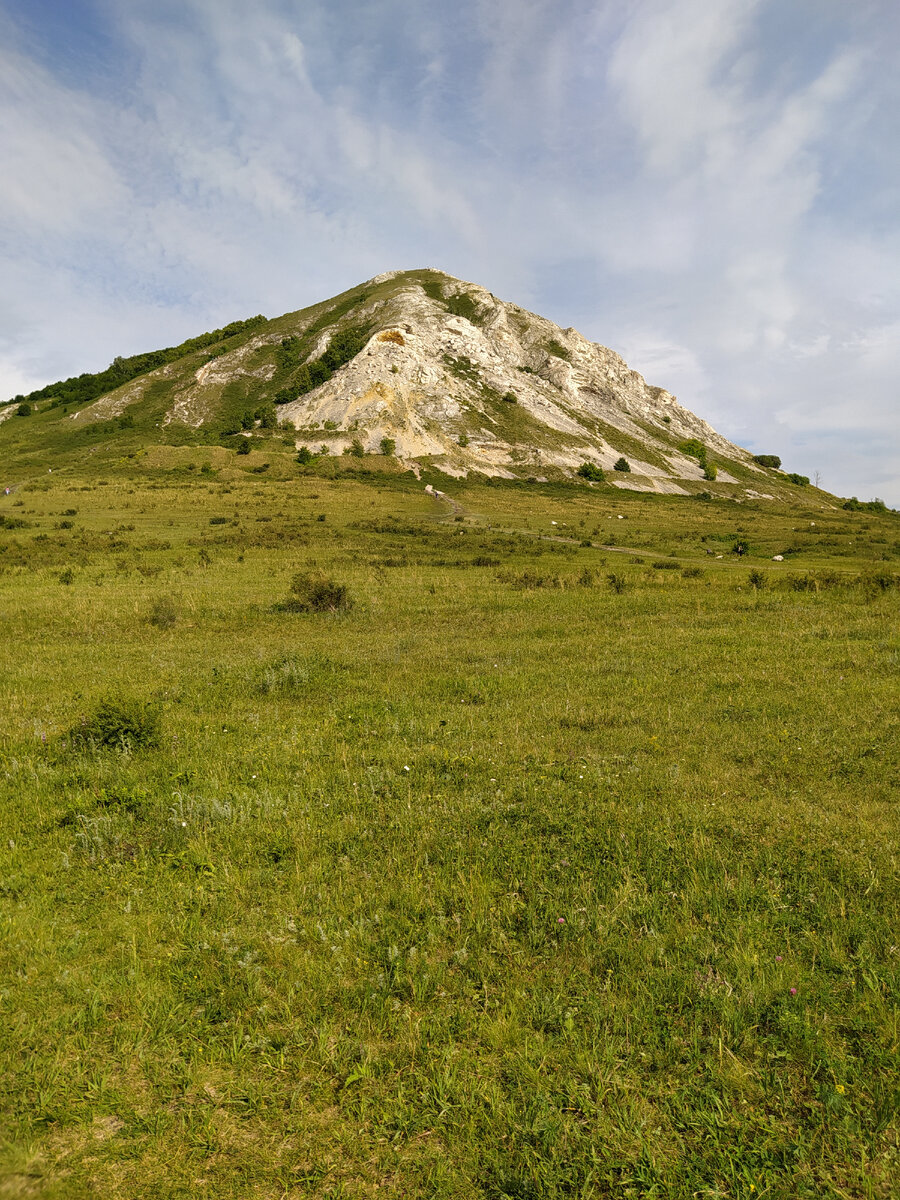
{"x": 562, "y": 861}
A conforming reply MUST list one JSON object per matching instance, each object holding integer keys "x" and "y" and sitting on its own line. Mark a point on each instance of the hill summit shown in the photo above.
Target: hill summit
{"x": 434, "y": 370}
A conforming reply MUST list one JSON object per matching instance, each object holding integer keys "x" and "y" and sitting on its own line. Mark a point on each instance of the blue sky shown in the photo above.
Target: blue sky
{"x": 710, "y": 188}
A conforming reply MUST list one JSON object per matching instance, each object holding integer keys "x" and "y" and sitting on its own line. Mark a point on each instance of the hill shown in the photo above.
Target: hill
{"x": 416, "y": 364}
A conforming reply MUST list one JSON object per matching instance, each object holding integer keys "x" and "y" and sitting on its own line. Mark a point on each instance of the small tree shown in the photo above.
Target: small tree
{"x": 355, "y": 448}
{"x": 463, "y": 439}
{"x": 710, "y": 470}
{"x": 24, "y": 410}
{"x": 622, "y": 464}
{"x": 767, "y": 460}
{"x": 387, "y": 446}
{"x": 266, "y": 416}
{"x": 305, "y": 456}
{"x": 589, "y": 470}
{"x": 244, "y": 447}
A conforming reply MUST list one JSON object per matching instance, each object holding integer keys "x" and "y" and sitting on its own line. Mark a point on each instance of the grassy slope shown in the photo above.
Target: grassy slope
{"x": 479, "y": 889}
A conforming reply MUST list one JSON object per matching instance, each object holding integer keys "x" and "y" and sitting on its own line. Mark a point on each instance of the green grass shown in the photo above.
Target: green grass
{"x": 479, "y": 888}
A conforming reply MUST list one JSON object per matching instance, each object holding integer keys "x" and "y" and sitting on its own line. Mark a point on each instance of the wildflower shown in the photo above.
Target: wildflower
{"x": 406, "y": 768}
{"x": 184, "y": 824}
{"x": 560, "y": 920}
{"x": 793, "y": 991}
{"x": 839, "y": 1088}
{"x": 778, "y": 958}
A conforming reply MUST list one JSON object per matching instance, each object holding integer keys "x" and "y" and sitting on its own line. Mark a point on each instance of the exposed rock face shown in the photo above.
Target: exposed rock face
{"x": 453, "y": 376}
{"x": 508, "y": 394}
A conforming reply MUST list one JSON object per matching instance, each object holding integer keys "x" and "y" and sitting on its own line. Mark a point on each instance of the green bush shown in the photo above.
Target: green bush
{"x": 463, "y": 439}
{"x": 695, "y": 448}
{"x": 355, "y": 448}
{"x": 799, "y": 480}
{"x": 666, "y": 564}
{"x": 461, "y": 304}
{"x": 315, "y": 592}
{"x": 710, "y": 471}
{"x": 118, "y": 723}
{"x": 854, "y": 505}
{"x": 618, "y": 583}
{"x": 589, "y": 470}
{"x": 24, "y": 410}
{"x": 622, "y": 464}
{"x": 767, "y": 460}
{"x": 757, "y": 579}
{"x": 163, "y": 613}
{"x": 510, "y": 397}
{"x": 244, "y": 447}
{"x": 305, "y": 456}
{"x": 558, "y": 350}
{"x": 387, "y": 446}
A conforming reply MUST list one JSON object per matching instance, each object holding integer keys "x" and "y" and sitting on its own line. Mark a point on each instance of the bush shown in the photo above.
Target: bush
{"x": 387, "y": 446}
{"x": 24, "y": 410}
{"x": 510, "y": 397}
{"x": 163, "y": 613}
{"x": 355, "y": 448}
{"x": 305, "y": 456}
{"x": 618, "y": 583}
{"x": 666, "y": 564}
{"x": 244, "y": 447}
{"x": 767, "y": 460}
{"x": 118, "y": 723}
{"x": 622, "y": 464}
{"x": 854, "y": 505}
{"x": 799, "y": 480}
{"x": 710, "y": 470}
{"x": 757, "y": 579}
{"x": 461, "y": 304}
{"x": 463, "y": 439}
{"x": 589, "y": 470}
{"x": 695, "y": 448}
{"x": 315, "y": 592}
{"x": 740, "y": 546}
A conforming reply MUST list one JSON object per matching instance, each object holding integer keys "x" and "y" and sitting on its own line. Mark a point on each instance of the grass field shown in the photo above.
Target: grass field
{"x": 562, "y": 863}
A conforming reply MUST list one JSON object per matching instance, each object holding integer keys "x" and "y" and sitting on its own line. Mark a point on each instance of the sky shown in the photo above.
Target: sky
{"x": 709, "y": 187}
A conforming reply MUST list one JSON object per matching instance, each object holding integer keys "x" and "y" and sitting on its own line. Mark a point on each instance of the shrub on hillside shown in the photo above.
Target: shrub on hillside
{"x": 854, "y": 505}
{"x": 767, "y": 460}
{"x": 695, "y": 448}
{"x": 387, "y": 446}
{"x": 591, "y": 471}
{"x": 799, "y": 480}
{"x": 710, "y": 471}
{"x": 622, "y": 464}
{"x": 24, "y": 410}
